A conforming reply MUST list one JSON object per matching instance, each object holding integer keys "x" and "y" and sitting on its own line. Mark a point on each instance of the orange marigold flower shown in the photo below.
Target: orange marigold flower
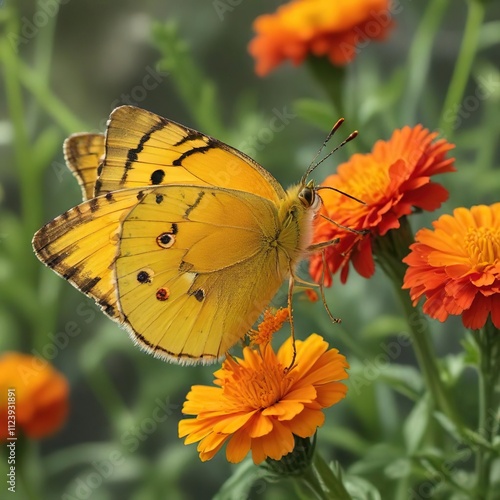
{"x": 37, "y": 393}
{"x": 259, "y": 405}
{"x": 271, "y": 323}
{"x": 391, "y": 180}
{"x": 457, "y": 266}
{"x": 318, "y": 27}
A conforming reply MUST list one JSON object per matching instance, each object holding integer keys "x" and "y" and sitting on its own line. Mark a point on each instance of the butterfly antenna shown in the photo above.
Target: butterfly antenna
{"x": 312, "y": 165}
{"x": 341, "y": 192}
{"x": 349, "y": 138}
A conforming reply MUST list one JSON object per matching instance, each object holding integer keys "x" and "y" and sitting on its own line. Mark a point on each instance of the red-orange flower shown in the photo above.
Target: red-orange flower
{"x": 457, "y": 266}
{"x": 319, "y": 27}
{"x": 393, "y": 179}
{"x": 34, "y": 396}
{"x": 259, "y": 405}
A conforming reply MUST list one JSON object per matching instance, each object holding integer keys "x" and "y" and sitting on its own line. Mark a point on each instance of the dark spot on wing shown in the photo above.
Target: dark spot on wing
{"x": 91, "y": 283}
{"x": 70, "y": 272}
{"x": 143, "y": 277}
{"x": 93, "y": 204}
{"x": 159, "y": 198}
{"x": 199, "y": 294}
{"x": 162, "y": 294}
{"x": 107, "y": 308}
{"x": 165, "y": 240}
{"x": 157, "y": 176}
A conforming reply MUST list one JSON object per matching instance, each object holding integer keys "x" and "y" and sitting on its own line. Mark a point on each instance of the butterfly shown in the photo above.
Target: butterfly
{"x": 181, "y": 239}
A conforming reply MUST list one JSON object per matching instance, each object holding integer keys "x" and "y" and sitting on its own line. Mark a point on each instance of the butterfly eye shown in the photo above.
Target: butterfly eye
{"x": 307, "y": 196}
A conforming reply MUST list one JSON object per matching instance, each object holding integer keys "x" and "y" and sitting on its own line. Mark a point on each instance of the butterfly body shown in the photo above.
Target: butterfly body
{"x": 186, "y": 241}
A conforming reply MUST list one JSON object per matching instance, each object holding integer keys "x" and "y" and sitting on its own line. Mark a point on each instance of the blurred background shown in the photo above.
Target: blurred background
{"x": 188, "y": 61}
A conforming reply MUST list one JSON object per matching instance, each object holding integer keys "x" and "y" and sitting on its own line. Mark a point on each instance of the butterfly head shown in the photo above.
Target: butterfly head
{"x": 308, "y": 196}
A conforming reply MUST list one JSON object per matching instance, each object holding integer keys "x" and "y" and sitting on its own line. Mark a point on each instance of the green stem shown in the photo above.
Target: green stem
{"x": 52, "y": 105}
{"x": 420, "y": 57}
{"x": 331, "y": 78}
{"x": 488, "y": 340}
{"x": 109, "y": 397}
{"x": 28, "y": 471}
{"x": 31, "y": 196}
{"x": 319, "y": 480}
{"x": 462, "y": 67}
{"x": 389, "y": 251}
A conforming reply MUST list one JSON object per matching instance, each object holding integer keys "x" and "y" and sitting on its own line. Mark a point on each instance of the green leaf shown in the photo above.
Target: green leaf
{"x": 489, "y": 35}
{"x": 196, "y": 89}
{"x": 385, "y": 326}
{"x": 318, "y": 113}
{"x": 416, "y": 424}
{"x": 239, "y": 484}
{"x": 463, "y": 435}
{"x": 376, "y": 459}
{"x": 383, "y": 96}
{"x": 471, "y": 350}
{"x": 399, "y": 469}
{"x": 345, "y": 438}
{"x": 44, "y": 148}
{"x": 403, "y": 378}
{"x": 360, "y": 488}
{"x": 453, "y": 366}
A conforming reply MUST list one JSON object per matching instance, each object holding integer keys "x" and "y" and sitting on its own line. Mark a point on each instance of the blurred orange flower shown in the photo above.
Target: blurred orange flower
{"x": 36, "y": 394}
{"x": 319, "y": 27}
{"x": 457, "y": 266}
{"x": 259, "y": 405}
{"x": 391, "y": 180}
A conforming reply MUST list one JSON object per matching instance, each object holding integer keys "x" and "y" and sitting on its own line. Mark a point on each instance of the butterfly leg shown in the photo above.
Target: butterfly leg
{"x": 290, "y": 311}
{"x": 323, "y": 244}
{"x": 361, "y": 232}
{"x": 322, "y": 289}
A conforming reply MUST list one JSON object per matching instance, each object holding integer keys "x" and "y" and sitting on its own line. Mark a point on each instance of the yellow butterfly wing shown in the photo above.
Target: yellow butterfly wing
{"x": 196, "y": 267}
{"x": 188, "y": 266}
{"x": 144, "y": 149}
{"x": 186, "y": 269}
{"x": 84, "y": 153}
{"x": 81, "y": 246}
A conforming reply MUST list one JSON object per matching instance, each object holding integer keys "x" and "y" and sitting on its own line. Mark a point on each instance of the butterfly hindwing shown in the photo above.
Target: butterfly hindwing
{"x": 144, "y": 149}
{"x": 84, "y": 153}
{"x": 186, "y": 265}
{"x": 81, "y": 245}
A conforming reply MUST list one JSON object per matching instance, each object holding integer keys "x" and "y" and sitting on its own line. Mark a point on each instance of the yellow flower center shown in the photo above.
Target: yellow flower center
{"x": 483, "y": 246}
{"x": 257, "y": 388}
{"x": 368, "y": 185}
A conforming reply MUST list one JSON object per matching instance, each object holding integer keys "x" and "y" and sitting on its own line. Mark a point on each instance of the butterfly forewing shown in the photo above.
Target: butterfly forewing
{"x": 144, "y": 149}
{"x": 83, "y": 154}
